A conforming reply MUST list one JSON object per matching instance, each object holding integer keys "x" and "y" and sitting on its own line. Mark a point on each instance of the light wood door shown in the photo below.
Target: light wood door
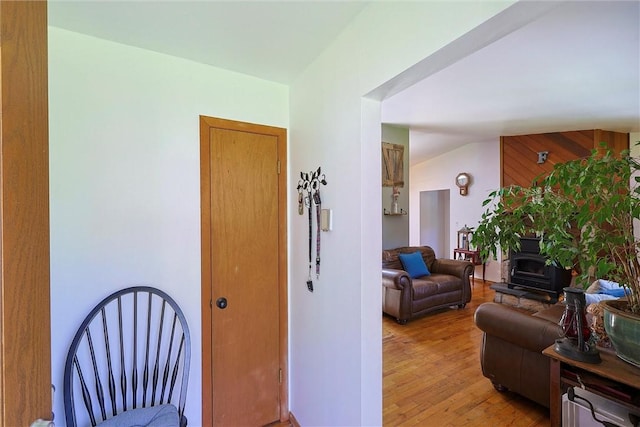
{"x": 244, "y": 279}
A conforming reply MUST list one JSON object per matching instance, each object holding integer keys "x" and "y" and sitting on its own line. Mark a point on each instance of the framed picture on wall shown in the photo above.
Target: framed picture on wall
{"x": 392, "y": 165}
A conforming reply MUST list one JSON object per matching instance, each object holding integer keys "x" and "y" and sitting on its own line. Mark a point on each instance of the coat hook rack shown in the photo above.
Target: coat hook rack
{"x": 308, "y": 194}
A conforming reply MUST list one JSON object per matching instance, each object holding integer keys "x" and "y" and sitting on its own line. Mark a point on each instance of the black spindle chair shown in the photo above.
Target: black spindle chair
{"x": 132, "y": 351}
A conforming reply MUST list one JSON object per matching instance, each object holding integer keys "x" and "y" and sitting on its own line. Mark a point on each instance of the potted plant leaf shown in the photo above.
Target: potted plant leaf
{"x": 583, "y": 212}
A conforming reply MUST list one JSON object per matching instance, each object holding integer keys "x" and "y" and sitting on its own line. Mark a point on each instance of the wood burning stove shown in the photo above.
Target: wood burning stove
{"x": 528, "y": 269}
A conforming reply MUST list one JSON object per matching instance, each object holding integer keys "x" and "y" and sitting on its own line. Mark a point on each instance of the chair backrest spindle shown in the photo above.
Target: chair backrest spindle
{"x": 145, "y": 371}
{"x": 165, "y": 375}
{"x": 158, "y": 347}
{"x": 86, "y": 396}
{"x": 134, "y": 373}
{"x": 123, "y": 371}
{"x": 96, "y": 374}
{"x": 111, "y": 380}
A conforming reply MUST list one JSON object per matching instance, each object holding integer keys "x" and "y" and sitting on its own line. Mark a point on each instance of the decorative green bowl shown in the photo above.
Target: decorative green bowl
{"x": 623, "y": 328}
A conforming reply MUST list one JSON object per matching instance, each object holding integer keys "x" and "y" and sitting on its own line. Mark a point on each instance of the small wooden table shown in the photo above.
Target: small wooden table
{"x": 472, "y": 256}
{"x": 612, "y": 379}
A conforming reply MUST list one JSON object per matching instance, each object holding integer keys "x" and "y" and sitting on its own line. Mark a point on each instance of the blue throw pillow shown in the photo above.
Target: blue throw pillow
{"x": 414, "y": 264}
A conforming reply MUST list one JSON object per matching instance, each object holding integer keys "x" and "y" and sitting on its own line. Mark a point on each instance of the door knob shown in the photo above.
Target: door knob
{"x": 221, "y": 303}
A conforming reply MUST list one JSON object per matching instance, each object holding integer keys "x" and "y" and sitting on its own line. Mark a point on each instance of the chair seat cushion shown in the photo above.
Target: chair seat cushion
{"x": 153, "y": 416}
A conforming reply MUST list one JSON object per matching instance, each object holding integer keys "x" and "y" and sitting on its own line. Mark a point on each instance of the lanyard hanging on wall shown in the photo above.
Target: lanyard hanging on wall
{"x": 309, "y": 194}
{"x": 318, "y": 203}
{"x": 308, "y": 205}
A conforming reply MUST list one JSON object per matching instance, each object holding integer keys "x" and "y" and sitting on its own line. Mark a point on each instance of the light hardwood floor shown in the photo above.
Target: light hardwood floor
{"x": 432, "y": 376}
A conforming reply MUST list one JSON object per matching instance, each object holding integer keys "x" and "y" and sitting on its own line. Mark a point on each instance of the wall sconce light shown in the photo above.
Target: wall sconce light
{"x": 542, "y": 156}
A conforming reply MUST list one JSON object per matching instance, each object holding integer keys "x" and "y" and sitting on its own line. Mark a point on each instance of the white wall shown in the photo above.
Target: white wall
{"x": 125, "y": 180}
{"x": 336, "y": 351}
{"x": 482, "y": 161}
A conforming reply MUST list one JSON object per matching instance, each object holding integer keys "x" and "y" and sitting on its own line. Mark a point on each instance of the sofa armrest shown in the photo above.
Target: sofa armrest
{"x": 396, "y": 279}
{"x": 453, "y": 267}
{"x": 521, "y": 329}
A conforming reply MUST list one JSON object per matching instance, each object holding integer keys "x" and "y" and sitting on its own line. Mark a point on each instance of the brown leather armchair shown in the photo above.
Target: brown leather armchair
{"x": 512, "y": 343}
{"x": 405, "y": 298}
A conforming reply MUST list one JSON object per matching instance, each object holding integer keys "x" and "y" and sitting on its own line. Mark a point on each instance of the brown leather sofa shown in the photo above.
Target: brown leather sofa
{"x": 405, "y": 298}
{"x": 512, "y": 343}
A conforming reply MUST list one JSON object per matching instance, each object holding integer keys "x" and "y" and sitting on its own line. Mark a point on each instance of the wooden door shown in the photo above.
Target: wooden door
{"x": 244, "y": 255}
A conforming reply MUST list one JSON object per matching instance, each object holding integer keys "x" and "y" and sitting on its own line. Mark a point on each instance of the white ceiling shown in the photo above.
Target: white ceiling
{"x": 575, "y": 67}
{"x": 272, "y": 40}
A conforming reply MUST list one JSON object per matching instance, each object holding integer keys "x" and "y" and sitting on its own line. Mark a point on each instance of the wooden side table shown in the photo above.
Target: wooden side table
{"x": 612, "y": 379}
{"x": 472, "y": 256}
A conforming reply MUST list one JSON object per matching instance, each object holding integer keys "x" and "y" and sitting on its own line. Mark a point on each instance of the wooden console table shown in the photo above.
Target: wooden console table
{"x": 612, "y": 379}
{"x": 472, "y": 256}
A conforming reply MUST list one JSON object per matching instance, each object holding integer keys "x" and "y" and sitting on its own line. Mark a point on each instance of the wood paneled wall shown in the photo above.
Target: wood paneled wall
{"x": 519, "y": 154}
{"x": 25, "y": 347}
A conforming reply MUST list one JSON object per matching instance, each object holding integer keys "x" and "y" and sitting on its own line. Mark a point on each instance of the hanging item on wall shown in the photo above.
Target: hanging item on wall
{"x": 394, "y": 200}
{"x": 463, "y": 180}
{"x": 542, "y": 156}
{"x": 392, "y": 165}
{"x": 308, "y": 195}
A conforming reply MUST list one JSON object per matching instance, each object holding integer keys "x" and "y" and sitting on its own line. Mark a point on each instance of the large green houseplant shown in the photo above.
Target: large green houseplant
{"x": 583, "y": 211}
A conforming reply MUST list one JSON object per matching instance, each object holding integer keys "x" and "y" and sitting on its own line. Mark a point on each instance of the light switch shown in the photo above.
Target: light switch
{"x": 326, "y": 220}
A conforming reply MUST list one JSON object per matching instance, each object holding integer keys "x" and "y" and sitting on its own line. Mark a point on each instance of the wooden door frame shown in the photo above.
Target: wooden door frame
{"x": 206, "y": 278}
{"x": 25, "y": 321}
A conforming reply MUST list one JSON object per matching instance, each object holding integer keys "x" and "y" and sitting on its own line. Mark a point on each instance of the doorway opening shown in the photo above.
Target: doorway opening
{"x": 434, "y": 221}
